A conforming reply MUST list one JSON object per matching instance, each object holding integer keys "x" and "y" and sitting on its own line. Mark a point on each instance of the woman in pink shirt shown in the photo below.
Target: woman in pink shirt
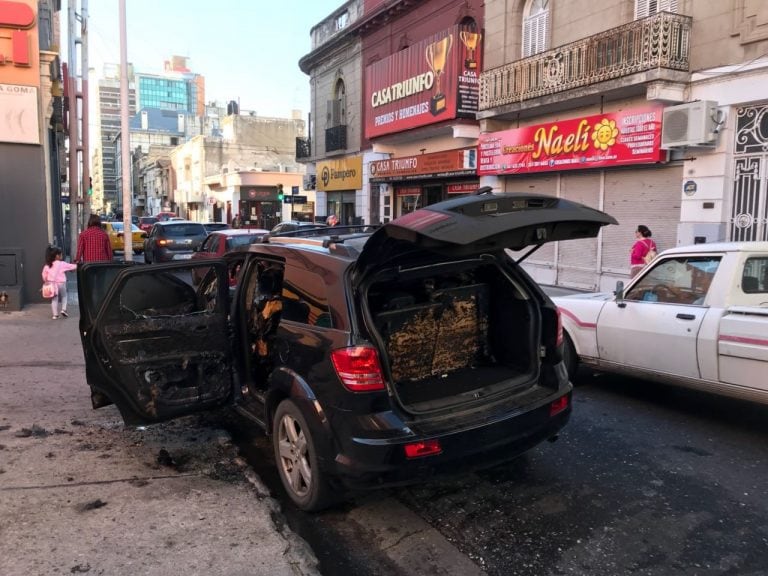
{"x": 54, "y": 271}
{"x": 643, "y": 244}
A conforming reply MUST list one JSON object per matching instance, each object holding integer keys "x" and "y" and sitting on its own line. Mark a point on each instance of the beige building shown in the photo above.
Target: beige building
{"x": 650, "y": 110}
{"x": 205, "y": 186}
{"x": 335, "y": 76}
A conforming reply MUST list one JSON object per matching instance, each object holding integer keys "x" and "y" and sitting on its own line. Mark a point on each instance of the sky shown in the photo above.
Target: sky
{"x": 248, "y": 50}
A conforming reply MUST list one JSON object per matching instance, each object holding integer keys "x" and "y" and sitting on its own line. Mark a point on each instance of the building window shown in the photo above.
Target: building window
{"x": 535, "y": 27}
{"x": 342, "y": 20}
{"x": 645, "y": 8}
{"x": 337, "y": 108}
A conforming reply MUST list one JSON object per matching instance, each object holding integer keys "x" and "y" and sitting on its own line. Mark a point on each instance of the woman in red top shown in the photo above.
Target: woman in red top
{"x": 643, "y": 244}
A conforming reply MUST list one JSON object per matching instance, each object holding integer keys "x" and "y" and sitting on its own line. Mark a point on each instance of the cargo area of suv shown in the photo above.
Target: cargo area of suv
{"x": 445, "y": 333}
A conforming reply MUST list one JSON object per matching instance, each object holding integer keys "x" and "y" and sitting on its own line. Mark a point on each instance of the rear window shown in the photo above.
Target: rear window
{"x": 235, "y": 241}
{"x": 184, "y": 230}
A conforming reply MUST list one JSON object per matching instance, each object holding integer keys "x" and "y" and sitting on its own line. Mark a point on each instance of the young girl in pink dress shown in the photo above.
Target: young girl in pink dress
{"x": 54, "y": 271}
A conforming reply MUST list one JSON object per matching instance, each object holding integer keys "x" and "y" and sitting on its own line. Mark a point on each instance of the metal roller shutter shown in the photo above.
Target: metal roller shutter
{"x": 541, "y": 184}
{"x": 577, "y": 259}
{"x": 649, "y": 196}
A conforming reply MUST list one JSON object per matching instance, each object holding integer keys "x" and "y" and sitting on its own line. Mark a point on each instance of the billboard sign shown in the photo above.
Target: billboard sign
{"x": 431, "y": 81}
{"x": 603, "y": 140}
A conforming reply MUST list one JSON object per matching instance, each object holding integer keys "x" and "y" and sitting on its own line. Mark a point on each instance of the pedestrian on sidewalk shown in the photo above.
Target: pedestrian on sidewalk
{"x": 643, "y": 250}
{"x": 93, "y": 243}
{"x": 54, "y": 271}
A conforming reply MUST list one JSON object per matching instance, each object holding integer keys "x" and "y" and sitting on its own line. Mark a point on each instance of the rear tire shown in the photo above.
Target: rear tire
{"x": 570, "y": 358}
{"x": 296, "y": 459}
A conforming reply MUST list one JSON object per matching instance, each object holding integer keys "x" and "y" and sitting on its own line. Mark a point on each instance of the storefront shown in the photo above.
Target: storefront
{"x": 259, "y": 206}
{"x": 417, "y": 181}
{"x": 611, "y": 161}
{"x": 339, "y": 182}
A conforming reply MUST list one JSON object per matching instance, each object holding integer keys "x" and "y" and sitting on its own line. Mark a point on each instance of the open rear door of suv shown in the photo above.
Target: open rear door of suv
{"x": 156, "y": 338}
{"x": 475, "y": 224}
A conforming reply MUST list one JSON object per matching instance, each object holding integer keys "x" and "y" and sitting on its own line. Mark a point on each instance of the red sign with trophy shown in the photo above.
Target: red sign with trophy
{"x": 431, "y": 81}
{"x": 611, "y": 139}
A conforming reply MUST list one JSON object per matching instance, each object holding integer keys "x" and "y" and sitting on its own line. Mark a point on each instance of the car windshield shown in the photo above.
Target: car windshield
{"x": 184, "y": 230}
{"x": 148, "y": 220}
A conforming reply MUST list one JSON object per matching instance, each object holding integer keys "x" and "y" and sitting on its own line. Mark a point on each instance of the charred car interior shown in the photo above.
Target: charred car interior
{"x": 445, "y": 332}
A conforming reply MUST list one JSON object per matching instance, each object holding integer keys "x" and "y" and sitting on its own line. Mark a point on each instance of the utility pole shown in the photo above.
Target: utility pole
{"x": 72, "y": 123}
{"x": 125, "y": 148}
{"x": 85, "y": 99}
{"x": 77, "y": 121}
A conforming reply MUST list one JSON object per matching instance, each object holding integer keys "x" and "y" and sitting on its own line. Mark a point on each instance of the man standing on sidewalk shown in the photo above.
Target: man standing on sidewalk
{"x": 93, "y": 243}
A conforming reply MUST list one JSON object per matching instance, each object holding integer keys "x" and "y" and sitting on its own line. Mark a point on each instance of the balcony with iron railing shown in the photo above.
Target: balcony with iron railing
{"x": 303, "y": 148}
{"x": 660, "y": 42}
{"x": 336, "y": 138}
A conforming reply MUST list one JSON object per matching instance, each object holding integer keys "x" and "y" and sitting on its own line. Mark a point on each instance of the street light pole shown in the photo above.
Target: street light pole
{"x": 125, "y": 148}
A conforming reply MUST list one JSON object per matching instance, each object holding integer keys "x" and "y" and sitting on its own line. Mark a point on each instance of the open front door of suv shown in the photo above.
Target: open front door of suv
{"x": 157, "y": 339}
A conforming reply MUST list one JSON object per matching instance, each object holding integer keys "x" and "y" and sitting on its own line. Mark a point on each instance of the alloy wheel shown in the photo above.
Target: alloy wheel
{"x": 294, "y": 456}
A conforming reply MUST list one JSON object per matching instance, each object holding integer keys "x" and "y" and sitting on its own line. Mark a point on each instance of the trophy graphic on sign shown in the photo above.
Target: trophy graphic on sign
{"x": 470, "y": 40}
{"x": 437, "y": 55}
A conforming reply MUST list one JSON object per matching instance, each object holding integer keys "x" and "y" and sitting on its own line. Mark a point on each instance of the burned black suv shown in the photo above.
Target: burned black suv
{"x": 370, "y": 357}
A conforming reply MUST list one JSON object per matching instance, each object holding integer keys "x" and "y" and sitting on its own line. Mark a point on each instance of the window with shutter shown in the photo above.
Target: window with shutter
{"x": 645, "y": 8}
{"x": 535, "y": 27}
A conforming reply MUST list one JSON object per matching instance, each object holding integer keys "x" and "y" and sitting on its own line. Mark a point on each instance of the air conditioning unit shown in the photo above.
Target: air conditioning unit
{"x": 690, "y": 124}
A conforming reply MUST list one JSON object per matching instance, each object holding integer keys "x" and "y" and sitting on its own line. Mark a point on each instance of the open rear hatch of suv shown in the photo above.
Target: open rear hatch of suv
{"x": 455, "y": 319}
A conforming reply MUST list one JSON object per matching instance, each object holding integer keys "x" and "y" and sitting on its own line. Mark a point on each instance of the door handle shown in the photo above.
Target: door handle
{"x": 686, "y": 316}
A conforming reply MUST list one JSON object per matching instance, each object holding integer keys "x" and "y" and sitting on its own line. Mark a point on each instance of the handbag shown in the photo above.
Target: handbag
{"x": 49, "y": 289}
{"x": 650, "y": 256}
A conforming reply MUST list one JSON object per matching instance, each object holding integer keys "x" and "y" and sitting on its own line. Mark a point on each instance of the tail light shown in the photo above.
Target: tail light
{"x": 358, "y": 368}
{"x": 162, "y": 242}
{"x": 558, "y": 406}
{"x": 421, "y": 449}
{"x": 559, "y": 341}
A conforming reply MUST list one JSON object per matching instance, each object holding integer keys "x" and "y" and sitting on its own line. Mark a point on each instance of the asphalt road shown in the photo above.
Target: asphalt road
{"x": 645, "y": 480}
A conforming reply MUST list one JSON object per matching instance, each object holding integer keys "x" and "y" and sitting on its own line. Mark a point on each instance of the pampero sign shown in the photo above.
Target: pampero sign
{"x": 342, "y": 174}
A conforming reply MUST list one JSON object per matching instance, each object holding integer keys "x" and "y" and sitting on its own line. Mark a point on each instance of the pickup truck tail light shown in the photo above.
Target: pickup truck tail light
{"x": 358, "y": 368}
{"x": 559, "y": 340}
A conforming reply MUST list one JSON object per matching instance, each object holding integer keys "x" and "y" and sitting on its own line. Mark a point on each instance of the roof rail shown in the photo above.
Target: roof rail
{"x": 324, "y": 234}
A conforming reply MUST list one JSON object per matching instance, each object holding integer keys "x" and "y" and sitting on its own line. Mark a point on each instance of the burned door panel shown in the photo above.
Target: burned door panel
{"x": 163, "y": 341}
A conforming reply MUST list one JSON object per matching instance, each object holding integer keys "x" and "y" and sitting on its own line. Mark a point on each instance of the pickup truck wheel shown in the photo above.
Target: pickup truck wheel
{"x": 296, "y": 459}
{"x": 570, "y": 358}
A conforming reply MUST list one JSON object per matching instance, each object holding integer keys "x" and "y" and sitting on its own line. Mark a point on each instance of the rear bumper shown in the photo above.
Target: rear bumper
{"x": 174, "y": 255}
{"x": 376, "y": 463}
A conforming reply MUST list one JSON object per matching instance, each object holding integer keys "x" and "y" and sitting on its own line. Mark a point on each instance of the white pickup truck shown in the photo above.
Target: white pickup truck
{"x": 697, "y": 316}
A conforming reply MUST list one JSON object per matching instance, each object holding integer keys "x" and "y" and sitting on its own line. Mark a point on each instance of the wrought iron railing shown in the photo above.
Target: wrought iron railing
{"x": 659, "y": 41}
{"x": 303, "y": 148}
{"x": 336, "y": 138}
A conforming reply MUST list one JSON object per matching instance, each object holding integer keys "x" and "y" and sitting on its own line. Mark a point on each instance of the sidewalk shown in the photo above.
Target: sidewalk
{"x": 80, "y": 493}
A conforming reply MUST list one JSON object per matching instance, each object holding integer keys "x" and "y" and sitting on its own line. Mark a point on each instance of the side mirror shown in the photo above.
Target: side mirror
{"x": 619, "y": 293}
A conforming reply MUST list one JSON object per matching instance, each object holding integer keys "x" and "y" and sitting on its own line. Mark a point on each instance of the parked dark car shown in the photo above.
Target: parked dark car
{"x": 371, "y": 359}
{"x": 173, "y": 240}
